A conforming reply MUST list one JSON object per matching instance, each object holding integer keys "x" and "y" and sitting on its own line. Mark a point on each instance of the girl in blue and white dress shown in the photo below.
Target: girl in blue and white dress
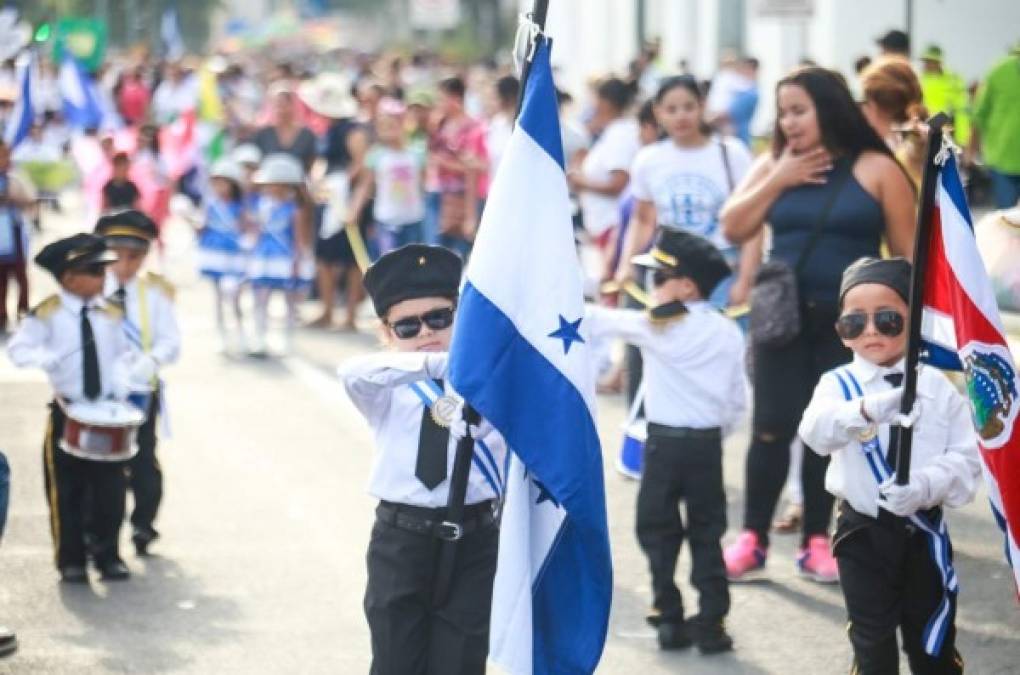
{"x": 282, "y": 257}
{"x": 221, "y": 254}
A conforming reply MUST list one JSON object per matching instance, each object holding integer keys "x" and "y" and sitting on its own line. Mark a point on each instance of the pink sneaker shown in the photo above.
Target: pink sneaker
{"x": 745, "y": 556}
{"x": 816, "y": 563}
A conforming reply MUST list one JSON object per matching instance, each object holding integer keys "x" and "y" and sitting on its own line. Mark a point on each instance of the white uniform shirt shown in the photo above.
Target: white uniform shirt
{"x": 944, "y": 445}
{"x": 378, "y": 384}
{"x": 51, "y": 340}
{"x": 161, "y": 323}
{"x": 693, "y": 366}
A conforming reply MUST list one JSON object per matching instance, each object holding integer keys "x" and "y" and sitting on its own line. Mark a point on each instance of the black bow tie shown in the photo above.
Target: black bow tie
{"x": 895, "y": 379}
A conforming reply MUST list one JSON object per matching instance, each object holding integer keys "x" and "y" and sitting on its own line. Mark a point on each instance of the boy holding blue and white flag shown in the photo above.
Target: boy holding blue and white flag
{"x": 891, "y": 542}
{"x": 417, "y": 423}
{"x": 150, "y": 323}
{"x": 696, "y": 391}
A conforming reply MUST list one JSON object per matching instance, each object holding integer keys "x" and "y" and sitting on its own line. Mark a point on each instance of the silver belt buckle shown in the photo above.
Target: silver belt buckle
{"x": 448, "y": 531}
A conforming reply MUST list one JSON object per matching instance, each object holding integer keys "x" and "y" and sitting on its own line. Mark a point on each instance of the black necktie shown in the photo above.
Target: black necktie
{"x": 120, "y": 295}
{"x": 90, "y": 359}
{"x": 433, "y": 441}
{"x": 892, "y": 456}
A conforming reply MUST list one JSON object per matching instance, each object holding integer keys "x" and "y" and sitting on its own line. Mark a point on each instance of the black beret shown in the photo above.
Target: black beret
{"x": 413, "y": 271}
{"x": 891, "y": 272}
{"x": 129, "y": 227}
{"x": 687, "y": 254}
{"x": 75, "y": 251}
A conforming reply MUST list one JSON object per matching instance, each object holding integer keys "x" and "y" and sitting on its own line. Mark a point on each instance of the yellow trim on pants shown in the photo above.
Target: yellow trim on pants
{"x": 52, "y": 492}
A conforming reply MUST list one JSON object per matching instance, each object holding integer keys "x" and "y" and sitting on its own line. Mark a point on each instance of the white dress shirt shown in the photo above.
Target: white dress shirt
{"x": 379, "y": 386}
{"x": 693, "y": 366}
{"x": 944, "y": 446}
{"x": 51, "y": 340}
{"x": 161, "y": 334}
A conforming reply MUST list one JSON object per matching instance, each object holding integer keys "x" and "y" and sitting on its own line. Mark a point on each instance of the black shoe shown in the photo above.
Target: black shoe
{"x": 8, "y": 642}
{"x": 114, "y": 570}
{"x": 674, "y": 635}
{"x": 74, "y": 574}
{"x": 711, "y": 636}
{"x": 142, "y": 538}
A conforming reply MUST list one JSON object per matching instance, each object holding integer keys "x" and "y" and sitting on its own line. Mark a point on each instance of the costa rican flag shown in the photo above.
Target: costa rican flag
{"x": 519, "y": 356}
{"x": 961, "y": 329}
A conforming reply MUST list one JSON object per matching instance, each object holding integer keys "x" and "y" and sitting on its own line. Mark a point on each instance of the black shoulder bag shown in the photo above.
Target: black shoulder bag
{"x": 775, "y": 303}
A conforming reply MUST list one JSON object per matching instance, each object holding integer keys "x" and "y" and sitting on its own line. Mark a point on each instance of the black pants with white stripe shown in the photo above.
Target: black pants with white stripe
{"x": 890, "y": 582}
{"x": 409, "y": 635}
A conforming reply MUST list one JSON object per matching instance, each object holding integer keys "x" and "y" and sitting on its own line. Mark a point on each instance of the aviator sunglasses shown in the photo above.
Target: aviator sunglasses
{"x": 410, "y": 326}
{"x": 888, "y": 322}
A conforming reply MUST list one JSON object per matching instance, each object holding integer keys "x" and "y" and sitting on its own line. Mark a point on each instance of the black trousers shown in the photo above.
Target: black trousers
{"x": 784, "y": 379}
{"x": 688, "y": 470}
{"x": 70, "y": 482}
{"x": 890, "y": 581}
{"x": 409, "y": 635}
{"x": 145, "y": 477}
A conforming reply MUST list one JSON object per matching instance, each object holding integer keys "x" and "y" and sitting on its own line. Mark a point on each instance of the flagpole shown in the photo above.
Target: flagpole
{"x": 466, "y": 446}
{"x": 539, "y": 12}
{"x": 922, "y": 238}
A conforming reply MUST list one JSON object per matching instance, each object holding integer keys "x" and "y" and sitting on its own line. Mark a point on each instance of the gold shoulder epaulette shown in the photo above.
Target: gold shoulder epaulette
{"x": 113, "y": 309}
{"x": 162, "y": 284}
{"x": 45, "y": 309}
{"x": 667, "y": 313}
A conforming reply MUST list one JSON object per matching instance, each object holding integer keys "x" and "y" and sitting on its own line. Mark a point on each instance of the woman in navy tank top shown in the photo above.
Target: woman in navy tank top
{"x": 823, "y": 150}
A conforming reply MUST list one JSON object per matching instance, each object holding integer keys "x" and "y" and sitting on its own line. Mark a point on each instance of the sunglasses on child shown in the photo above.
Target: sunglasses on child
{"x": 410, "y": 326}
{"x": 659, "y": 277}
{"x": 888, "y": 322}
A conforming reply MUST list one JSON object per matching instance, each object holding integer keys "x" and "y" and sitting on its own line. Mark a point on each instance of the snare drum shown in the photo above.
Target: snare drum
{"x": 102, "y": 431}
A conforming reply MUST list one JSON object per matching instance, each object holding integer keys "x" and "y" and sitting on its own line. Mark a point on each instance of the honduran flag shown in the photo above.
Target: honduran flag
{"x": 82, "y": 103}
{"x": 519, "y": 356}
{"x": 19, "y": 124}
{"x": 961, "y": 329}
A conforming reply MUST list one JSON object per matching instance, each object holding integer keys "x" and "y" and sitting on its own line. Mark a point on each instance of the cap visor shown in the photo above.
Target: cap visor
{"x": 647, "y": 260}
{"x": 98, "y": 258}
{"x": 128, "y": 242}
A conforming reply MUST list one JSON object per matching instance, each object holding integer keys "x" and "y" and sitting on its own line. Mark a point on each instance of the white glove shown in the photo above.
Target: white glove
{"x": 910, "y": 419}
{"x": 459, "y": 429}
{"x": 49, "y": 360}
{"x": 904, "y": 500}
{"x": 882, "y": 408}
{"x": 142, "y": 370}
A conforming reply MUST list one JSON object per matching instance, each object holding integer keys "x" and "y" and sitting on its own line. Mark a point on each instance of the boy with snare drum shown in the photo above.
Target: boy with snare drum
{"x": 76, "y": 336}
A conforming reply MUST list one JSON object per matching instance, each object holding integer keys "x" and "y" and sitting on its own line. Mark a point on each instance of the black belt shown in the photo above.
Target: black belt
{"x": 428, "y": 521}
{"x": 685, "y": 433}
{"x": 891, "y": 520}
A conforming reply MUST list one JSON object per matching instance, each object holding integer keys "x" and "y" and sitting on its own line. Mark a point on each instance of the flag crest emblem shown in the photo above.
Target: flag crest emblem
{"x": 991, "y": 387}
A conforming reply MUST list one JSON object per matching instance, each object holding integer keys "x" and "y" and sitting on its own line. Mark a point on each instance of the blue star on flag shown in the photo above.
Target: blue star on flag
{"x": 568, "y": 332}
{"x": 544, "y": 495}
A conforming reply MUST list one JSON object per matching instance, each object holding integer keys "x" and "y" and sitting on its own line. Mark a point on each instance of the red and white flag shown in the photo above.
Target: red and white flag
{"x": 962, "y": 330}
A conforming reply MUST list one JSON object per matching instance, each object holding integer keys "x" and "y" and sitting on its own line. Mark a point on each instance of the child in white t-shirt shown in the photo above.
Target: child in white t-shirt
{"x": 395, "y": 178}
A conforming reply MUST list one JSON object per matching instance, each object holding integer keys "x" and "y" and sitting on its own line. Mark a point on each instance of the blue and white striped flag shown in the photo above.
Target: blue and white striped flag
{"x": 19, "y": 124}
{"x": 519, "y": 357}
{"x": 81, "y": 101}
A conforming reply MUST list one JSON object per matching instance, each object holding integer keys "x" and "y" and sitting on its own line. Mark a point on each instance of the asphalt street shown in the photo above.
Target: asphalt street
{"x": 265, "y": 524}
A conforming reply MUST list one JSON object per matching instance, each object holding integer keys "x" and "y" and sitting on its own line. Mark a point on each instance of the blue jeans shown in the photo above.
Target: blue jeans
{"x": 1005, "y": 189}
{"x": 393, "y": 238}
{"x": 430, "y": 228}
{"x": 5, "y": 491}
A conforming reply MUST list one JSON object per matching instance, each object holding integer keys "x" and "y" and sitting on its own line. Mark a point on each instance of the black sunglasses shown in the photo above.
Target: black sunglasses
{"x": 659, "y": 277}
{"x": 410, "y": 326}
{"x": 888, "y": 322}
